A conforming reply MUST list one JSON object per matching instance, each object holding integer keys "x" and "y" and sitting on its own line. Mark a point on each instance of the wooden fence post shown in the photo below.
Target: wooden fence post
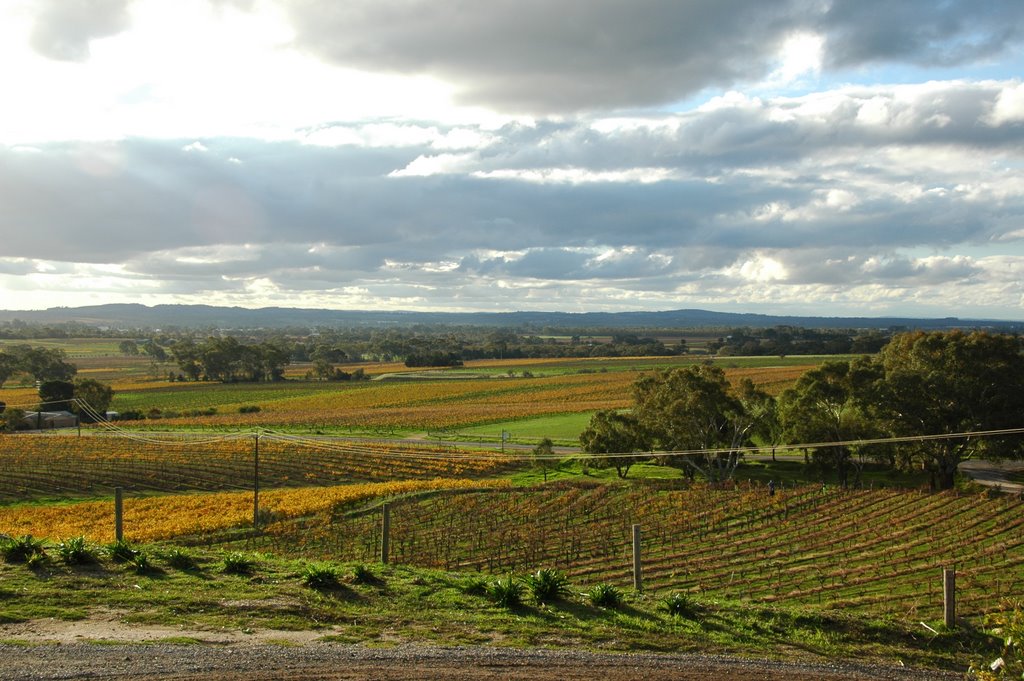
{"x": 118, "y": 514}
{"x": 385, "y": 532}
{"x": 949, "y": 597}
{"x": 256, "y": 482}
{"x": 638, "y": 580}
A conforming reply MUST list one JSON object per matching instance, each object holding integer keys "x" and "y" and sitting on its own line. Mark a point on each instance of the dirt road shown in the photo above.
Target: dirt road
{"x": 405, "y": 663}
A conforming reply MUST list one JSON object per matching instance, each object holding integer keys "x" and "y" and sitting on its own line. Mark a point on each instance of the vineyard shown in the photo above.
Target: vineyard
{"x": 189, "y": 515}
{"x": 65, "y": 465}
{"x": 876, "y": 550}
{"x": 442, "y": 400}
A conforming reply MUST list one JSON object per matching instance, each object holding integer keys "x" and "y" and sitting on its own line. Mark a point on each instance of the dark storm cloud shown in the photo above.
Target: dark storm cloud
{"x": 533, "y": 55}
{"x": 922, "y": 32}
{"x": 538, "y": 55}
{"x": 63, "y": 29}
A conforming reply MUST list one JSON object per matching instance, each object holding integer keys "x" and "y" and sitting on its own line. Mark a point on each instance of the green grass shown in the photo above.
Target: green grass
{"x": 430, "y": 606}
{"x": 563, "y": 429}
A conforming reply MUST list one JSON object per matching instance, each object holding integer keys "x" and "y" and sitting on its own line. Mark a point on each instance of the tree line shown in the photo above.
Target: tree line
{"x": 938, "y": 385}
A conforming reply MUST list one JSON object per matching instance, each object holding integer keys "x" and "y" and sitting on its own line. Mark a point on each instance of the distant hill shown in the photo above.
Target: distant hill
{"x": 130, "y": 316}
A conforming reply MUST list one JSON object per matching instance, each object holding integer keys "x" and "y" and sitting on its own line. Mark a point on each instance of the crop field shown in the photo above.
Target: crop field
{"x": 53, "y": 466}
{"x": 189, "y": 515}
{"x": 873, "y": 550}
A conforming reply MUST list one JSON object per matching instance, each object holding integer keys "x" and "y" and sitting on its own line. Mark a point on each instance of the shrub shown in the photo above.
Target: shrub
{"x": 22, "y": 549}
{"x": 547, "y": 585}
{"x": 180, "y": 559}
{"x": 238, "y": 564}
{"x": 508, "y": 593}
{"x": 1008, "y": 626}
{"x": 320, "y": 576}
{"x": 605, "y": 596}
{"x": 76, "y": 551}
{"x": 249, "y": 409}
{"x": 363, "y": 575}
{"x": 142, "y": 563}
{"x": 679, "y": 605}
{"x": 121, "y": 551}
{"x": 476, "y": 586}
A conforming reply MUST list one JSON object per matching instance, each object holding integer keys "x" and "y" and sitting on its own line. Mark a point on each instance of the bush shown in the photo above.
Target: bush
{"x": 1008, "y": 626}
{"x": 76, "y": 551}
{"x": 142, "y": 563}
{"x": 508, "y": 593}
{"x": 605, "y": 596}
{"x": 249, "y": 409}
{"x": 238, "y": 564}
{"x": 22, "y": 549}
{"x": 121, "y": 551}
{"x": 679, "y": 605}
{"x": 547, "y": 585}
{"x": 320, "y": 576}
{"x": 476, "y": 586}
{"x": 180, "y": 559}
{"x": 362, "y": 575}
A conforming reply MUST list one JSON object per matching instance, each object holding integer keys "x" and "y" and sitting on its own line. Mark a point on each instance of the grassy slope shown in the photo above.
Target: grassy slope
{"x": 403, "y": 604}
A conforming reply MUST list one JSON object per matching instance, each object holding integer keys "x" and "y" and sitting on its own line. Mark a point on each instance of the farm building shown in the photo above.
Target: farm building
{"x": 49, "y": 419}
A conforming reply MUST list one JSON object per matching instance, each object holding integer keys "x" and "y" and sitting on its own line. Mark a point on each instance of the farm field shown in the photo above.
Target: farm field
{"x": 874, "y": 551}
{"x": 443, "y": 402}
{"x": 55, "y": 466}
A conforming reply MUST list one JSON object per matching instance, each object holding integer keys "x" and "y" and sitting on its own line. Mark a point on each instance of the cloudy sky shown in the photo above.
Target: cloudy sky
{"x": 826, "y": 157}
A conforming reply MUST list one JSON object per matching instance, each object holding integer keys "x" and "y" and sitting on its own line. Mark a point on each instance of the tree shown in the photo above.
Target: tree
{"x": 92, "y": 399}
{"x": 56, "y": 395}
{"x": 692, "y": 409}
{"x": 543, "y": 456}
{"x": 610, "y": 432}
{"x": 43, "y": 364}
{"x": 8, "y": 367}
{"x": 763, "y": 410}
{"x": 946, "y": 383}
{"x": 823, "y": 406}
{"x": 153, "y": 349}
{"x": 128, "y": 347}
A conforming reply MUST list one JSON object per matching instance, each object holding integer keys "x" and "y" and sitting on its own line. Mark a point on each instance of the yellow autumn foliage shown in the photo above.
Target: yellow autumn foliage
{"x": 166, "y": 517}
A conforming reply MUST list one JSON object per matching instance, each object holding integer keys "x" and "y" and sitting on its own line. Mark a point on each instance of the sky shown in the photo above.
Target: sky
{"x": 807, "y": 157}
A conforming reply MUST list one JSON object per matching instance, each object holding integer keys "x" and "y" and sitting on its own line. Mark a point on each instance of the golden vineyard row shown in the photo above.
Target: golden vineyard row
{"x": 166, "y": 517}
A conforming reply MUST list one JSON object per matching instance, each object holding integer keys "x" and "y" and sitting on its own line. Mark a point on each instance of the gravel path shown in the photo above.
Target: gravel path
{"x": 341, "y": 661}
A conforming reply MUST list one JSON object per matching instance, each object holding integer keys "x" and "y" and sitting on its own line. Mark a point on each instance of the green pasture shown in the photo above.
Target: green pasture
{"x": 562, "y": 429}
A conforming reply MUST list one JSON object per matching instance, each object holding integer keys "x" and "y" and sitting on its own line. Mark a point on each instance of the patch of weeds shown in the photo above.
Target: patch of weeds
{"x": 320, "y": 576}
{"x": 361, "y": 574}
{"x": 180, "y": 559}
{"x": 547, "y": 585}
{"x": 37, "y": 561}
{"x": 476, "y": 586}
{"x": 605, "y": 596}
{"x": 507, "y": 592}
{"x": 238, "y": 564}
{"x": 679, "y": 605}
{"x": 76, "y": 551}
{"x": 121, "y": 551}
{"x": 142, "y": 564}
{"x": 21, "y": 549}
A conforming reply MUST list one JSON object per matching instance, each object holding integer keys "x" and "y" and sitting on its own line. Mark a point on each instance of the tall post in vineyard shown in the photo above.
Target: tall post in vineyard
{"x": 118, "y": 514}
{"x": 256, "y": 481}
{"x": 638, "y": 578}
{"x": 385, "y": 532}
{"x": 949, "y": 597}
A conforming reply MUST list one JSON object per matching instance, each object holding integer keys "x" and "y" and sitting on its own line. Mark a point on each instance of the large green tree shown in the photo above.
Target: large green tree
{"x": 692, "y": 409}
{"x": 950, "y": 383}
{"x": 611, "y": 432}
{"x": 92, "y": 399}
{"x": 823, "y": 406}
